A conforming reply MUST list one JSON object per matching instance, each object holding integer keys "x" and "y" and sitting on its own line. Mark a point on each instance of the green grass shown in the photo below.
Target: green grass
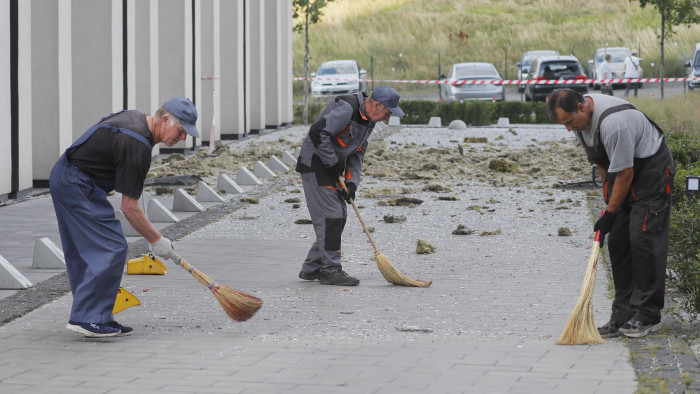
{"x": 419, "y": 30}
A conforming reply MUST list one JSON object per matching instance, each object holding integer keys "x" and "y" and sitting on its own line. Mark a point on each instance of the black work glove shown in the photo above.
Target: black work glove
{"x": 605, "y": 225}
{"x": 337, "y": 170}
{"x": 350, "y": 194}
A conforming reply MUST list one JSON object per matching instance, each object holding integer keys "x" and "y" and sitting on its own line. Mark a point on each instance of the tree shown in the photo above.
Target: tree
{"x": 307, "y": 12}
{"x": 673, "y": 13}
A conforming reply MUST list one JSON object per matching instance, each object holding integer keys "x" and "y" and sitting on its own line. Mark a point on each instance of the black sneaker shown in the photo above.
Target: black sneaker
{"x": 636, "y": 329}
{"x": 93, "y": 330}
{"x": 610, "y": 329}
{"x": 308, "y": 276}
{"x": 122, "y": 329}
{"x": 338, "y": 278}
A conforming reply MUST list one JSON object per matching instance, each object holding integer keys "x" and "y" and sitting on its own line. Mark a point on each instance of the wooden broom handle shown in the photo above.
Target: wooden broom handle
{"x": 376, "y": 250}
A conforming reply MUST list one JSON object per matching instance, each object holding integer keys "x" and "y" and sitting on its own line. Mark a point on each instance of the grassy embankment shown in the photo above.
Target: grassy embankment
{"x": 404, "y": 37}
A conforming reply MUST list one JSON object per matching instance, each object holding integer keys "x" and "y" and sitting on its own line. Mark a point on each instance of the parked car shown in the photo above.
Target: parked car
{"x": 525, "y": 63}
{"x": 553, "y": 67}
{"x": 694, "y": 65}
{"x": 338, "y": 77}
{"x": 617, "y": 64}
{"x": 456, "y": 90}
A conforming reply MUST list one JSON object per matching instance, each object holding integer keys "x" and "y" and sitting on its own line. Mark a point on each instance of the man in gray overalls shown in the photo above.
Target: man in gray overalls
{"x": 114, "y": 154}
{"x": 335, "y": 146}
{"x": 637, "y": 170}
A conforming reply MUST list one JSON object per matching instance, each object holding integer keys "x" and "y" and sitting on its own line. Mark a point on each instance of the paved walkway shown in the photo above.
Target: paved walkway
{"x": 488, "y": 323}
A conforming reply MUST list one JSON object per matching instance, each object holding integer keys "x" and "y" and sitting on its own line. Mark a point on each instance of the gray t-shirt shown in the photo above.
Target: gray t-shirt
{"x": 626, "y": 135}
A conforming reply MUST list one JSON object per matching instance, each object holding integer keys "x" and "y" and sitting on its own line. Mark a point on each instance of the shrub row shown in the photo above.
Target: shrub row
{"x": 684, "y": 241}
{"x": 476, "y": 113}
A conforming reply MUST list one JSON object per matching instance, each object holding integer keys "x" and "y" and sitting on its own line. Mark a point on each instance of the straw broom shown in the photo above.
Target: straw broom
{"x": 238, "y": 305}
{"x": 390, "y": 273}
{"x": 581, "y": 328}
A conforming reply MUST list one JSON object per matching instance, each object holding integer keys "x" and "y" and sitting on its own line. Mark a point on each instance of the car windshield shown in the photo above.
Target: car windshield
{"x": 337, "y": 68}
{"x": 482, "y": 71}
{"x": 560, "y": 70}
{"x": 696, "y": 63}
{"x": 618, "y": 55}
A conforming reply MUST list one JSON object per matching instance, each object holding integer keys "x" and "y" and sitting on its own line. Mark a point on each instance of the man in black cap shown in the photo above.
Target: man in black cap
{"x": 114, "y": 154}
{"x": 335, "y": 146}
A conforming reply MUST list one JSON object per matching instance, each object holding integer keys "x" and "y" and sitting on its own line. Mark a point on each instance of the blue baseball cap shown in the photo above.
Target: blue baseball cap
{"x": 389, "y": 97}
{"x": 186, "y": 112}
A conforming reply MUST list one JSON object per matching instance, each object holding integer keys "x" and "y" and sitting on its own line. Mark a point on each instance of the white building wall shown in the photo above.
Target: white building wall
{"x": 25, "y": 98}
{"x": 272, "y": 63}
{"x": 96, "y": 61}
{"x": 5, "y": 96}
{"x": 256, "y": 54}
{"x": 232, "y": 82}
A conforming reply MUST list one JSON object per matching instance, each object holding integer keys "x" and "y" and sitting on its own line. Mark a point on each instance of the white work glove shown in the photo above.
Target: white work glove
{"x": 163, "y": 247}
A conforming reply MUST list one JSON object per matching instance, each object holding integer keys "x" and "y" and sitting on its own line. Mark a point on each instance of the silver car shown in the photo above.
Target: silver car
{"x": 338, "y": 77}
{"x": 617, "y": 63}
{"x": 455, "y": 89}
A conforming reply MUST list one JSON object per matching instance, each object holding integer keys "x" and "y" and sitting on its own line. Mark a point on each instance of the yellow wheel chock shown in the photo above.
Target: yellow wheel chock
{"x": 124, "y": 300}
{"x": 146, "y": 265}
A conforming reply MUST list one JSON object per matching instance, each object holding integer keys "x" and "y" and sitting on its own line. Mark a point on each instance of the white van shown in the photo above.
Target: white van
{"x": 694, "y": 65}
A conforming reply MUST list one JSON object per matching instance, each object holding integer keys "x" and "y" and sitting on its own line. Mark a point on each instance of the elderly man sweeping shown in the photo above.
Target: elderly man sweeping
{"x": 114, "y": 154}
{"x": 335, "y": 146}
{"x": 637, "y": 169}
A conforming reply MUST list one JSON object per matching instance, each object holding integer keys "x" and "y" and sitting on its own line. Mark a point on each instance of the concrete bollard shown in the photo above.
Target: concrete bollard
{"x": 206, "y": 194}
{"x": 287, "y": 158}
{"x": 10, "y": 278}
{"x": 183, "y": 202}
{"x": 435, "y": 121}
{"x": 158, "y": 213}
{"x": 47, "y": 255}
{"x": 228, "y": 185}
{"x": 277, "y": 165}
{"x": 261, "y": 171}
{"x": 245, "y": 177}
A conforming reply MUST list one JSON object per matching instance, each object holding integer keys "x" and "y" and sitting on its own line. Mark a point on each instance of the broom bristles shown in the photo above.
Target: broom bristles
{"x": 393, "y": 276}
{"x": 581, "y": 329}
{"x": 238, "y": 305}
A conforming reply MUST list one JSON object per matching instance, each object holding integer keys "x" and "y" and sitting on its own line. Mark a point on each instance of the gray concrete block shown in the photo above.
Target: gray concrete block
{"x": 245, "y": 177}
{"x": 287, "y": 158}
{"x": 262, "y": 171}
{"x": 435, "y": 121}
{"x": 183, "y": 202}
{"x": 47, "y": 255}
{"x": 10, "y": 278}
{"x": 206, "y": 194}
{"x": 277, "y": 164}
{"x": 394, "y": 121}
{"x": 158, "y": 213}
{"x": 457, "y": 124}
{"x": 127, "y": 228}
{"x": 380, "y": 126}
{"x": 228, "y": 185}
{"x": 503, "y": 122}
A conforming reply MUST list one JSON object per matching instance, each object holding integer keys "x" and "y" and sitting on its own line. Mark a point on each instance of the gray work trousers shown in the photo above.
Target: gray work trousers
{"x": 328, "y": 215}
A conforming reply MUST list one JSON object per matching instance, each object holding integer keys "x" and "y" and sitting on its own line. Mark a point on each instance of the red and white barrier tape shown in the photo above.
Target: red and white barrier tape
{"x": 503, "y": 81}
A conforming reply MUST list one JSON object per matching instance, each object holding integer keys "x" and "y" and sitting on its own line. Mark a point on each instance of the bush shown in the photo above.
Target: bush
{"x": 684, "y": 251}
{"x": 685, "y": 148}
{"x": 314, "y": 110}
{"x": 418, "y": 111}
{"x": 475, "y": 113}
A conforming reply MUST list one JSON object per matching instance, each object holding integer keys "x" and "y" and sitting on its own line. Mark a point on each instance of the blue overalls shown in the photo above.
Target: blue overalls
{"x": 93, "y": 242}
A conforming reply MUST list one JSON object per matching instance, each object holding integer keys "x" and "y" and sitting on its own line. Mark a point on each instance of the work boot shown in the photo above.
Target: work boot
{"x": 308, "y": 276}
{"x": 610, "y": 329}
{"x": 337, "y": 278}
{"x": 637, "y": 329}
